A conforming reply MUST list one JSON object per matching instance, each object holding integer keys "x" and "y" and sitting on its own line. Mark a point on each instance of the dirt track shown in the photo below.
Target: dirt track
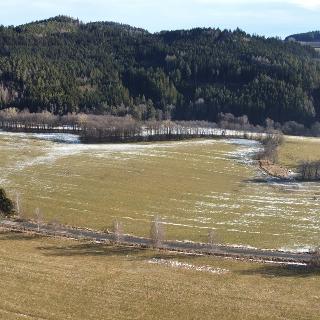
{"x": 188, "y": 247}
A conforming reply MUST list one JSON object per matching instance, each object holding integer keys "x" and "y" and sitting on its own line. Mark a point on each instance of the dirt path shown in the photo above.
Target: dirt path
{"x": 188, "y": 247}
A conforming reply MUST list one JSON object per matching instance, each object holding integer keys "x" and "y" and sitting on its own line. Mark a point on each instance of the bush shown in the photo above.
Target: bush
{"x": 270, "y": 147}
{"x": 6, "y": 205}
{"x": 157, "y": 232}
{"x": 315, "y": 260}
{"x": 294, "y": 128}
{"x": 309, "y": 170}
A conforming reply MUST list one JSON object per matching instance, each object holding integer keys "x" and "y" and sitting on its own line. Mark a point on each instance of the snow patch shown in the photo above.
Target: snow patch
{"x": 297, "y": 249}
{"x": 187, "y": 266}
{"x": 57, "y": 137}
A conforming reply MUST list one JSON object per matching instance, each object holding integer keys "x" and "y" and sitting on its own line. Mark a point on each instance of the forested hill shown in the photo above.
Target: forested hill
{"x": 313, "y": 36}
{"x": 63, "y": 65}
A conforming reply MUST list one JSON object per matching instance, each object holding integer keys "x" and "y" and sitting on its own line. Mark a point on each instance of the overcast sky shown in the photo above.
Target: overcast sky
{"x": 265, "y": 17}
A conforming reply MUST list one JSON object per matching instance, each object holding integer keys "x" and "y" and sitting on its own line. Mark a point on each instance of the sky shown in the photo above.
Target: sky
{"x": 263, "y": 17}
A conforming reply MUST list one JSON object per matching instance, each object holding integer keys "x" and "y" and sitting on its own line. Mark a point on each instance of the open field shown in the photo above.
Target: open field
{"x": 61, "y": 279}
{"x": 297, "y": 149}
{"x": 194, "y": 185}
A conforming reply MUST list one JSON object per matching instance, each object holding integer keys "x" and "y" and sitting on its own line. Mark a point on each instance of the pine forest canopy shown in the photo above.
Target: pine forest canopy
{"x": 63, "y": 65}
{"x": 313, "y": 36}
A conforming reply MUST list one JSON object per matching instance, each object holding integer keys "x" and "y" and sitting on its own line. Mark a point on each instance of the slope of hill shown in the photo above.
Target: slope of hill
{"x": 313, "y": 36}
{"x": 311, "y": 39}
{"x": 63, "y": 65}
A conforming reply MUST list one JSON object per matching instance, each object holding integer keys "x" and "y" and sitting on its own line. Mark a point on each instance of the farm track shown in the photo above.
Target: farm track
{"x": 234, "y": 252}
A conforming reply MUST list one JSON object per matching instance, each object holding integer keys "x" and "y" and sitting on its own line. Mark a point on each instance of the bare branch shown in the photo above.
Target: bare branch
{"x": 315, "y": 260}
{"x": 39, "y": 218}
{"x": 117, "y": 231}
{"x": 157, "y": 233}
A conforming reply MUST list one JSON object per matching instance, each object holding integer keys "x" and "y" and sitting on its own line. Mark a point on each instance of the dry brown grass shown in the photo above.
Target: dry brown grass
{"x": 45, "y": 278}
{"x": 297, "y": 149}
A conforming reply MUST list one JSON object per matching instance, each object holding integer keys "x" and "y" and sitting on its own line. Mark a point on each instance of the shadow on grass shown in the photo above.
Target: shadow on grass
{"x": 271, "y": 271}
{"x": 281, "y": 182}
{"x": 89, "y": 249}
{"x": 96, "y": 249}
{"x": 16, "y": 236}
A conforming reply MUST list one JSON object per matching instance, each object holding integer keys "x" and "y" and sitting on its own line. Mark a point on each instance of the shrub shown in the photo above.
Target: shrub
{"x": 6, "y": 205}
{"x": 315, "y": 260}
{"x": 270, "y": 147}
{"x": 117, "y": 231}
{"x": 309, "y": 170}
{"x": 157, "y": 232}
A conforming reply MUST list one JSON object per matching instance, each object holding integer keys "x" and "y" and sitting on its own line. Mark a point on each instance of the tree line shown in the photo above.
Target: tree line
{"x": 107, "y": 128}
{"x": 309, "y": 170}
{"x": 312, "y": 36}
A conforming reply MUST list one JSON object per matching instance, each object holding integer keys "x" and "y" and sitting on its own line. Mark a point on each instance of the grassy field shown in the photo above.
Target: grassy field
{"x": 193, "y": 185}
{"x": 61, "y": 279}
{"x": 297, "y": 149}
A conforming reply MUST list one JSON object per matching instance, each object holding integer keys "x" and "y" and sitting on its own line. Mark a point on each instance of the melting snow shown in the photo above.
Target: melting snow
{"x": 187, "y": 266}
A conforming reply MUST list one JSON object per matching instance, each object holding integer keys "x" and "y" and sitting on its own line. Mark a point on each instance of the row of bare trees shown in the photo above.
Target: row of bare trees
{"x": 106, "y": 128}
{"x": 157, "y": 232}
{"x": 103, "y": 128}
{"x": 98, "y": 126}
{"x": 309, "y": 170}
{"x": 109, "y": 129}
{"x": 157, "y": 236}
{"x": 15, "y": 120}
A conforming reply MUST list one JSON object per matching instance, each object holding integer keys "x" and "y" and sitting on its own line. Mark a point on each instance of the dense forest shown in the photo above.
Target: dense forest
{"x": 65, "y": 66}
{"x": 313, "y": 36}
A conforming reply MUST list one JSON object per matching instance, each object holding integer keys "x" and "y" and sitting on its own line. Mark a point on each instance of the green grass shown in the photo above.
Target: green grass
{"x": 193, "y": 185}
{"x": 45, "y": 278}
{"x": 298, "y": 149}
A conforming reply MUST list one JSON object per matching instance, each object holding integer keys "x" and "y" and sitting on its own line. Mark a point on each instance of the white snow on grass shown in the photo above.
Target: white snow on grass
{"x": 287, "y": 210}
{"x": 63, "y": 145}
{"x": 297, "y": 249}
{"x": 301, "y": 138}
{"x": 54, "y": 150}
{"x": 245, "y": 154}
{"x": 187, "y": 266}
{"x": 57, "y": 137}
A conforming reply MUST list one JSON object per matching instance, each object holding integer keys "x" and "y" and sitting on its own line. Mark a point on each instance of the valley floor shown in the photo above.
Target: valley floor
{"x": 194, "y": 186}
{"x": 198, "y": 186}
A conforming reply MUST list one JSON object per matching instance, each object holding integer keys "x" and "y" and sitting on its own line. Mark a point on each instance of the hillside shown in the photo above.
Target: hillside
{"x": 313, "y": 36}
{"x": 63, "y": 65}
{"x": 311, "y": 39}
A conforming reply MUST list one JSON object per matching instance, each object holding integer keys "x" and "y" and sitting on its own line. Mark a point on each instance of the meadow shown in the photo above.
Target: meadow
{"x": 298, "y": 149}
{"x": 52, "y": 279}
{"x": 195, "y": 186}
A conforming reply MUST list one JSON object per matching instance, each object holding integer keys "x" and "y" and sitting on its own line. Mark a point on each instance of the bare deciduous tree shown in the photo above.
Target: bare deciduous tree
{"x": 309, "y": 170}
{"x": 157, "y": 232}
{"x": 18, "y": 205}
{"x": 56, "y": 225}
{"x": 213, "y": 240}
{"x": 315, "y": 260}
{"x": 270, "y": 147}
{"x": 117, "y": 231}
{"x": 39, "y": 218}
{"x": 211, "y": 237}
